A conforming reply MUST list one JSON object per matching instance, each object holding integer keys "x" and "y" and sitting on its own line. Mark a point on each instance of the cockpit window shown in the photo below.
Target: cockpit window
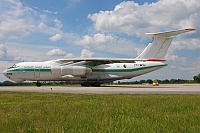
{"x": 14, "y": 66}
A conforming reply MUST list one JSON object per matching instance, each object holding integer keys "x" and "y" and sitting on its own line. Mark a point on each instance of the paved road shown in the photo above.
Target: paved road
{"x": 113, "y": 89}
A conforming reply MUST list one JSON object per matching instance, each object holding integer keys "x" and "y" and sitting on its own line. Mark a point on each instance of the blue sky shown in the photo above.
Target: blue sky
{"x": 44, "y": 30}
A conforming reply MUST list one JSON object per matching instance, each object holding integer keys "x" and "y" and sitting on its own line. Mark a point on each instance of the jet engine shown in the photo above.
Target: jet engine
{"x": 71, "y": 70}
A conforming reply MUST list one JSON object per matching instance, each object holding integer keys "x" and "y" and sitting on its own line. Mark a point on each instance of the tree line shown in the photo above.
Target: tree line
{"x": 196, "y": 79}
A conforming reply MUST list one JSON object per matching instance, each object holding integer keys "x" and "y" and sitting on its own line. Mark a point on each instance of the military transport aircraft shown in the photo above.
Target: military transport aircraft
{"x": 95, "y": 71}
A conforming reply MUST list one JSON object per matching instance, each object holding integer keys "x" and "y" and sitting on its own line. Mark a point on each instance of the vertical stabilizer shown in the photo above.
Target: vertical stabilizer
{"x": 160, "y": 44}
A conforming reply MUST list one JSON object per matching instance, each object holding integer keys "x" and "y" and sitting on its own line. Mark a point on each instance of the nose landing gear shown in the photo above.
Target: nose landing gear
{"x": 38, "y": 84}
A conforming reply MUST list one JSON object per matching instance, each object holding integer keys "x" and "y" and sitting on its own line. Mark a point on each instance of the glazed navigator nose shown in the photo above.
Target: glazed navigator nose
{"x": 5, "y": 72}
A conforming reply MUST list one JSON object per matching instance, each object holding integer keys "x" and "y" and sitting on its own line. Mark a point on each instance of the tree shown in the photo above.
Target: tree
{"x": 8, "y": 83}
{"x": 142, "y": 81}
{"x": 149, "y": 81}
{"x": 197, "y": 78}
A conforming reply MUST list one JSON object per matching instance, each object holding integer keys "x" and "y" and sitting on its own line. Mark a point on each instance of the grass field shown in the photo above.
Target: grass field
{"x": 57, "y": 113}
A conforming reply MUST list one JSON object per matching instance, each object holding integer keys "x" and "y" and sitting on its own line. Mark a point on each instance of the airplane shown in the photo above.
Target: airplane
{"x": 96, "y": 71}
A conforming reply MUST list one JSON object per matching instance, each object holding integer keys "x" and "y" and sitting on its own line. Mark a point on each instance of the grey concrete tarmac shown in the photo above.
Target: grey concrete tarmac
{"x": 112, "y": 89}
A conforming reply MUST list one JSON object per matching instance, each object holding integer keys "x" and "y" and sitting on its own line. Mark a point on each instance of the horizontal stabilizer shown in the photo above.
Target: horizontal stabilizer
{"x": 169, "y": 33}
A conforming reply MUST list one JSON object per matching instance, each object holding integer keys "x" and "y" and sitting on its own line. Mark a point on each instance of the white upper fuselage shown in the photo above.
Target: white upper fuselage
{"x": 52, "y": 71}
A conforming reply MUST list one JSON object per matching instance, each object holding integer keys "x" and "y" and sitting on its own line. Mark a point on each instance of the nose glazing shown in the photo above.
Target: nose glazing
{"x": 5, "y": 72}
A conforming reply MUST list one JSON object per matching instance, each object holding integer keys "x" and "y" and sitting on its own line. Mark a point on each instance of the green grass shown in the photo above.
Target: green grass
{"x": 57, "y": 113}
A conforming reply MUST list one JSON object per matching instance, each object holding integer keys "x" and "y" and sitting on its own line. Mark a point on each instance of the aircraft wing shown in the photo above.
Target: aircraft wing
{"x": 91, "y": 62}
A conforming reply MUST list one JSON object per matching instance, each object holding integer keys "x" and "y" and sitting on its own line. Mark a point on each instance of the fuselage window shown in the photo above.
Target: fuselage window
{"x": 124, "y": 66}
{"x": 139, "y": 65}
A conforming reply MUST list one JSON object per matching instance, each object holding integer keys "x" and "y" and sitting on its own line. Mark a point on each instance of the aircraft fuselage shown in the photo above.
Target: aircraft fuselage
{"x": 50, "y": 71}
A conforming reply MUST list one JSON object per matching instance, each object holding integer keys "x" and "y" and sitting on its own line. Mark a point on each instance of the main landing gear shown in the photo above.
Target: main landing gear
{"x": 95, "y": 84}
{"x": 38, "y": 84}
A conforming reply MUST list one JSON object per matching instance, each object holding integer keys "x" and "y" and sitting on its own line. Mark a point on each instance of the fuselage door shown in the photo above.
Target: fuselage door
{"x": 37, "y": 73}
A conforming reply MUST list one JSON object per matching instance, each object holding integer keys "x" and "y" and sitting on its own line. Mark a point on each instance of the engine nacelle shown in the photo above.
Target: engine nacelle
{"x": 71, "y": 70}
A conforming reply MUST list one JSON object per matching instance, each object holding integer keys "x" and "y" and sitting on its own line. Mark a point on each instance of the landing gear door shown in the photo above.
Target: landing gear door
{"x": 37, "y": 73}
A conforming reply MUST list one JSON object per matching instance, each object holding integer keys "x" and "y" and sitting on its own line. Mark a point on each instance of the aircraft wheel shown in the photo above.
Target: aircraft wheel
{"x": 38, "y": 84}
{"x": 96, "y": 84}
{"x": 85, "y": 84}
{"x": 82, "y": 85}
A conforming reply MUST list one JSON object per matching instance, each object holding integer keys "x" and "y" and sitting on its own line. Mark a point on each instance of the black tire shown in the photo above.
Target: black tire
{"x": 38, "y": 84}
{"x": 85, "y": 84}
{"x": 96, "y": 84}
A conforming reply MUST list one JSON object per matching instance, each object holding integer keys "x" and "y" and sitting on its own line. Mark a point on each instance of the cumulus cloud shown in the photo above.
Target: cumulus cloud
{"x": 18, "y": 20}
{"x": 191, "y": 44}
{"x": 56, "y": 37}
{"x": 131, "y": 18}
{"x": 56, "y": 52}
{"x": 86, "y": 53}
{"x": 3, "y": 52}
{"x": 109, "y": 43}
{"x": 70, "y": 55}
{"x": 185, "y": 70}
{"x": 96, "y": 39}
{"x": 15, "y": 21}
{"x": 175, "y": 58}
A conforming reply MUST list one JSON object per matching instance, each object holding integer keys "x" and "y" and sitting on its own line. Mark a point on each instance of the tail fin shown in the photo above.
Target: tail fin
{"x": 160, "y": 44}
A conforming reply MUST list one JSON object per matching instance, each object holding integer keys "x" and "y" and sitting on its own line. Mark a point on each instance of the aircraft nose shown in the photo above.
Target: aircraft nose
{"x": 5, "y": 72}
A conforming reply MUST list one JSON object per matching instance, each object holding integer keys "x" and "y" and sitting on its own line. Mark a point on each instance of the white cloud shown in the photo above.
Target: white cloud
{"x": 56, "y": 37}
{"x": 15, "y": 20}
{"x": 86, "y": 54}
{"x": 186, "y": 69}
{"x": 18, "y": 52}
{"x": 50, "y": 12}
{"x": 175, "y": 58}
{"x": 3, "y": 52}
{"x": 132, "y": 18}
{"x": 192, "y": 66}
{"x": 190, "y": 44}
{"x": 56, "y": 52}
{"x": 109, "y": 43}
{"x": 5, "y": 55}
{"x": 96, "y": 39}
{"x": 18, "y": 20}
{"x": 70, "y": 55}
{"x": 58, "y": 24}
